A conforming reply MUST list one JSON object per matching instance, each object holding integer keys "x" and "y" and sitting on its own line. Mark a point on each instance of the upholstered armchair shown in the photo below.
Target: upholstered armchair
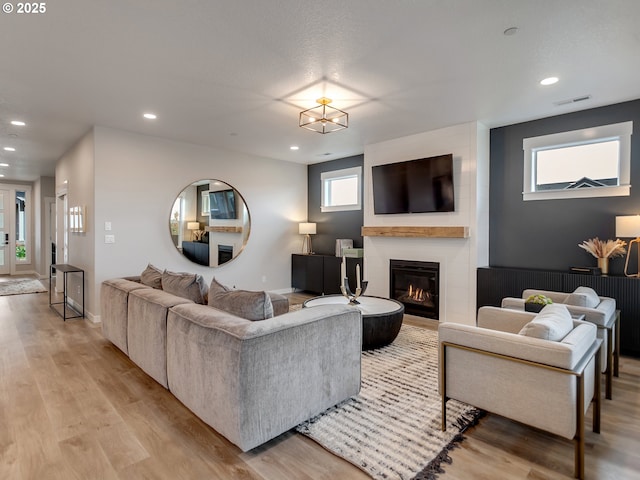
{"x": 601, "y": 311}
{"x": 539, "y": 370}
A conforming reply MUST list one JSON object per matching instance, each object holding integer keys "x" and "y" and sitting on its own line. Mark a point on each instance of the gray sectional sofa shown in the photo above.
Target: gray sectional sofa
{"x": 251, "y": 380}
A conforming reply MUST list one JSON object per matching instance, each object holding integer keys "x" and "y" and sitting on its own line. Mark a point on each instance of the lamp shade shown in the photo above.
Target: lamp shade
{"x": 193, "y": 226}
{"x": 307, "y": 228}
{"x": 628, "y": 226}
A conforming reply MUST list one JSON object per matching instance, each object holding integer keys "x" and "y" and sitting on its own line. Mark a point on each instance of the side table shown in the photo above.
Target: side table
{"x": 66, "y": 270}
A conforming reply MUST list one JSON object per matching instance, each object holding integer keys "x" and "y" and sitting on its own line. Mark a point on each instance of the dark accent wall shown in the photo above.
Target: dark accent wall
{"x": 544, "y": 234}
{"x": 332, "y": 225}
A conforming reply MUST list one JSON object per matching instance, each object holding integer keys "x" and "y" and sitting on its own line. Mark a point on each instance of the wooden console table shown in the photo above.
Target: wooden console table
{"x": 66, "y": 270}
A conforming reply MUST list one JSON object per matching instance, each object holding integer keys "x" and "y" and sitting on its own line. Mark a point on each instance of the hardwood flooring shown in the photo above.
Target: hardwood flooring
{"x": 72, "y": 406}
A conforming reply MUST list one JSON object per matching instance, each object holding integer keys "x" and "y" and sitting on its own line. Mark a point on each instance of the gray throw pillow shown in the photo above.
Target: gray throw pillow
{"x": 217, "y": 287}
{"x": 553, "y": 322}
{"x": 152, "y": 277}
{"x": 186, "y": 285}
{"x": 243, "y": 303}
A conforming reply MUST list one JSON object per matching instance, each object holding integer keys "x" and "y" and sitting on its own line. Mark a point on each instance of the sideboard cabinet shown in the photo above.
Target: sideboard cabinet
{"x": 321, "y": 273}
{"x": 495, "y": 283}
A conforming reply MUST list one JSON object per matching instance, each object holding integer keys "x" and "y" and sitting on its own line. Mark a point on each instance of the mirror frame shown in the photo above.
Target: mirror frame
{"x": 232, "y": 233}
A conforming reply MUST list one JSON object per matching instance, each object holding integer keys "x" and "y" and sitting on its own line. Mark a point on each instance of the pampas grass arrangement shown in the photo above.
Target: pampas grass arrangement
{"x": 604, "y": 248}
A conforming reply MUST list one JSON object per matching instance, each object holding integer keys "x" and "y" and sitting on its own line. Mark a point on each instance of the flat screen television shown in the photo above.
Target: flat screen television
{"x": 222, "y": 205}
{"x": 415, "y": 186}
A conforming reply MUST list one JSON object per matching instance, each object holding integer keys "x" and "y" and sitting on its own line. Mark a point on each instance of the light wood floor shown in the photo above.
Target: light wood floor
{"x": 72, "y": 406}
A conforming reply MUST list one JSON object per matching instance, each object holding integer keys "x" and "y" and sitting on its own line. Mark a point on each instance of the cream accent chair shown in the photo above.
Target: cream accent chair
{"x": 546, "y": 384}
{"x": 601, "y": 311}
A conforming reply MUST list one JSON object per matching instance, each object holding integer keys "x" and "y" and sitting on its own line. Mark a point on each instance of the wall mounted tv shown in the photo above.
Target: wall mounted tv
{"x": 415, "y": 186}
{"x": 222, "y": 205}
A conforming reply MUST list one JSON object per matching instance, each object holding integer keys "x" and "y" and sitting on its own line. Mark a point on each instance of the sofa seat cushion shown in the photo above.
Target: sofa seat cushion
{"x": 186, "y": 285}
{"x": 243, "y": 303}
{"x": 152, "y": 277}
{"x": 553, "y": 322}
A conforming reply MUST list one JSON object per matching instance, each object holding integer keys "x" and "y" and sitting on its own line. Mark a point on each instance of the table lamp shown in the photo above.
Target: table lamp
{"x": 628, "y": 226}
{"x": 193, "y": 226}
{"x": 307, "y": 229}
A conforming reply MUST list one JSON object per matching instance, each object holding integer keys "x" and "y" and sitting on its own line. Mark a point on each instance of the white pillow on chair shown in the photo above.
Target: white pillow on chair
{"x": 583, "y": 297}
{"x": 553, "y": 322}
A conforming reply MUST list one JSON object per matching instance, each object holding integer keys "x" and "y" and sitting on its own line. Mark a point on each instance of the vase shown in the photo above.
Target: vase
{"x": 603, "y": 264}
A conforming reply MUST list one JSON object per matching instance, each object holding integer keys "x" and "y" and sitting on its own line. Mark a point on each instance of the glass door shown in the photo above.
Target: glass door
{"x": 5, "y": 231}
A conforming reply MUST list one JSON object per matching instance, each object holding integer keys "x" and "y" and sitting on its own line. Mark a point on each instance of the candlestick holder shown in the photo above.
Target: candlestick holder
{"x": 352, "y": 297}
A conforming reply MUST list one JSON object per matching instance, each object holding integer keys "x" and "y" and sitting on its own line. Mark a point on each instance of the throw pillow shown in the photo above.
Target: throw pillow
{"x": 584, "y": 297}
{"x": 554, "y": 322}
{"x": 152, "y": 277}
{"x": 186, "y": 285}
{"x": 243, "y": 303}
{"x": 217, "y": 287}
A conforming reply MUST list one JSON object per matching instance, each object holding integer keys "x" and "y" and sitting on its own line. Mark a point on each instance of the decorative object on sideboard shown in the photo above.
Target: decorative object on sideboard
{"x": 323, "y": 118}
{"x": 342, "y": 244}
{"x": 307, "y": 229}
{"x": 361, "y": 286}
{"x": 535, "y": 303}
{"x": 193, "y": 226}
{"x": 603, "y": 250}
{"x": 628, "y": 226}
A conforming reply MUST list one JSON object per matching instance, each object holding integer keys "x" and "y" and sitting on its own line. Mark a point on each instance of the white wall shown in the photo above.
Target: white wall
{"x": 458, "y": 258}
{"x": 75, "y": 174}
{"x": 137, "y": 179}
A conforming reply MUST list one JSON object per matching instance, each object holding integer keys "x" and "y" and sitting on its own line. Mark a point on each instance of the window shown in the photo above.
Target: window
{"x": 593, "y": 162}
{"x": 341, "y": 190}
{"x": 205, "y": 205}
{"x": 23, "y": 210}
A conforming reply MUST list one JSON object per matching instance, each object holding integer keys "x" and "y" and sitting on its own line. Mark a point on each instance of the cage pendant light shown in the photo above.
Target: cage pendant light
{"x": 323, "y": 118}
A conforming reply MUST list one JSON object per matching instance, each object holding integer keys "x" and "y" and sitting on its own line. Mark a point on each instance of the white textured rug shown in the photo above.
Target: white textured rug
{"x": 392, "y": 428}
{"x": 18, "y": 287}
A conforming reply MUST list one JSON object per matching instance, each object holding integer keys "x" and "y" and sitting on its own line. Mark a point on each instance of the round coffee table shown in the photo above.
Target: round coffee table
{"x": 381, "y": 317}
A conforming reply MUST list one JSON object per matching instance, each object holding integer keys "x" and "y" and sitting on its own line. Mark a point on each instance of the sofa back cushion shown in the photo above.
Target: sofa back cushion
{"x": 554, "y": 322}
{"x": 242, "y": 303}
{"x": 583, "y": 297}
{"x": 151, "y": 277}
{"x": 186, "y": 285}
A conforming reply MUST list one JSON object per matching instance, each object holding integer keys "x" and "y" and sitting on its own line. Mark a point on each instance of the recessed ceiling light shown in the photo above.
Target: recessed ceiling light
{"x": 549, "y": 81}
{"x": 18, "y": 123}
{"x": 10, "y": 149}
{"x": 294, "y": 147}
{"x": 510, "y": 31}
{"x": 1, "y": 175}
{"x": 150, "y": 116}
{"x": 4, "y": 164}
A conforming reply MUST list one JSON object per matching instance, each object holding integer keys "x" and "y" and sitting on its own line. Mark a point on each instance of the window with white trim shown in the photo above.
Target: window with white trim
{"x": 341, "y": 190}
{"x": 592, "y": 162}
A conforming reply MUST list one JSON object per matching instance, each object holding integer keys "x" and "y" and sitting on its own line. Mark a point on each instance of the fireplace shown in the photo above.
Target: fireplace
{"x": 416, "y": 285}
{"x": 225, "y": 253}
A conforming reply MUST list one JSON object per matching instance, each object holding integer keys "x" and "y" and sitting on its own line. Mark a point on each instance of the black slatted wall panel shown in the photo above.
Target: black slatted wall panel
{"x": 496, "y": 283}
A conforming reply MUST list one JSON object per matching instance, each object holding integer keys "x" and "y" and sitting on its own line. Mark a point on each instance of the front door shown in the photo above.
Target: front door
{"x": 5, "y": 233}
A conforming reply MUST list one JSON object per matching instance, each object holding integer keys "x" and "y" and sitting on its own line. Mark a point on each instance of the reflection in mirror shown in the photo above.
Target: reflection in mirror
{"x": 209, "y": 223}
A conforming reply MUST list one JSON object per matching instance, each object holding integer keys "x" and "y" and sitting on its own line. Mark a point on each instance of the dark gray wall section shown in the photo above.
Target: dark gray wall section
{"x": 332, "y": 225}
{"x": 545, "y": 234}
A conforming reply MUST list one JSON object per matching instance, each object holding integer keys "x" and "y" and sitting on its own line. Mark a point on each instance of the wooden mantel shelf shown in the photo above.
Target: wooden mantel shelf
{"x": 230, "y": 229}
{"x": 416, "y": 232}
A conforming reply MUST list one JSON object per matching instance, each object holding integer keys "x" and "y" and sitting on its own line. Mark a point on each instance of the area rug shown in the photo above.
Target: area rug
{"x": 392, "y": 428}
{"x": 18, "y": 287}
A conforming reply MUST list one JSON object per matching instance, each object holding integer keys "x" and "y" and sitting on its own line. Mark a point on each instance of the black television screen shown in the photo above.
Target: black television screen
{"x": 222, "y": 204}
{"x": 414, "y": 186}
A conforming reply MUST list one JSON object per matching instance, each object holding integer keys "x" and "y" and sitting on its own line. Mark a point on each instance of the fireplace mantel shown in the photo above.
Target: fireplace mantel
{"x": 417, "y": 232}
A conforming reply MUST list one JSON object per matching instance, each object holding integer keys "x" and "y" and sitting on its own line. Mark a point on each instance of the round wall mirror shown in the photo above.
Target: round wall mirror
{"x": 209, "y": 223}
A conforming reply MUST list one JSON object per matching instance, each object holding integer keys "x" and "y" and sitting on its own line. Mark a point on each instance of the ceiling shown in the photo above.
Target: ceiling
{"x": 235, "y": 74}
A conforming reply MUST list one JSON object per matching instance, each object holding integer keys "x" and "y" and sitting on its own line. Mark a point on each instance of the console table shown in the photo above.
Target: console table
{"x": 321, "y": 273}
{"x": 65, "y": 269}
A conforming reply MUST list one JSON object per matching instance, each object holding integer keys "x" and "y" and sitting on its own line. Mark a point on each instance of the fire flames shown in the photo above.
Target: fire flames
{"x": 418, "y": 294}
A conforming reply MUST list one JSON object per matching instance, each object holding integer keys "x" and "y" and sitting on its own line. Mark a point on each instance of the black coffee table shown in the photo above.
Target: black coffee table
{"x": 381, "y": 317}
